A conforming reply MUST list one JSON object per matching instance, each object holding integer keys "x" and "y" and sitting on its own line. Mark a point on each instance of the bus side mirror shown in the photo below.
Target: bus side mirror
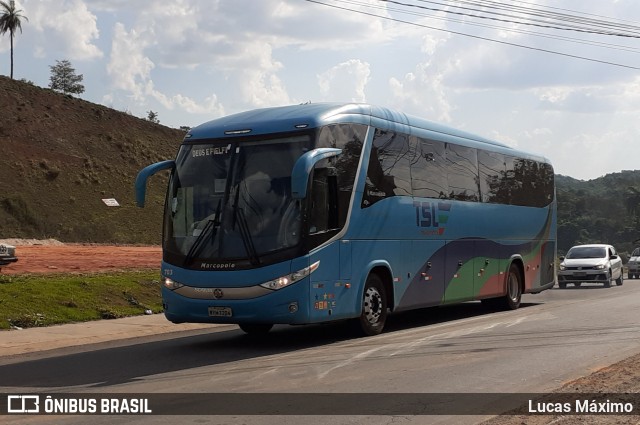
{"x": 324, "y": 213}
{"x": 302, "y": 169}
{"x": 143, "y": 176}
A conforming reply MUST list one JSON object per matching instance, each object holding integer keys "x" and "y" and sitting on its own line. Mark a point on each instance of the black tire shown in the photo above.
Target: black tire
{"x": 562, "y": 285}
{"x": 513, "y": 297}
{"x": 607, "y": 284}
{"x": 577, "y": 284}
{"x": 256, "y": 328}
{"x": 620, "y": 280}
{"x": 513, "y": 287}
{"x": 374, "y": 307}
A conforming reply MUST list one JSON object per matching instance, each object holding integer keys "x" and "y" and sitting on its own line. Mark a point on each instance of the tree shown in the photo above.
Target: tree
{"x": 64, "y": 79}
{"x": 153, "y": 117}
{"x": 10, "y": 21}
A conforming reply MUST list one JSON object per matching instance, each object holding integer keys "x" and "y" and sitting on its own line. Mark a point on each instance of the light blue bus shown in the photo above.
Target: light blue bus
{"x": 322, "y": 212}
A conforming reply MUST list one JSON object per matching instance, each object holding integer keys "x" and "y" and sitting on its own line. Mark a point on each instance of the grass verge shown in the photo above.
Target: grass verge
{"x": 28, "y": 301}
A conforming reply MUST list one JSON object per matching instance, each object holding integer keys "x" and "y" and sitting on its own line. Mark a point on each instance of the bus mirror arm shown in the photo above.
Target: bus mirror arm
{"x": 143, "y": 176}
{"x": 304, "y": 165}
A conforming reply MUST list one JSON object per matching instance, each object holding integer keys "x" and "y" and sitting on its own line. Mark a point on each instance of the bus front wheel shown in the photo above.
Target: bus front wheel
{"x": 374, "y": 306}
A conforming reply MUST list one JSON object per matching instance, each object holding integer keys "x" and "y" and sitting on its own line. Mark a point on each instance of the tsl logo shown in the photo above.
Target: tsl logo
{"x": 432, "y": 216}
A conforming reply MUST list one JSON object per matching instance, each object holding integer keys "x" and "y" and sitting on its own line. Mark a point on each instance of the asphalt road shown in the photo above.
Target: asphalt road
{"x": 553, "y": 338}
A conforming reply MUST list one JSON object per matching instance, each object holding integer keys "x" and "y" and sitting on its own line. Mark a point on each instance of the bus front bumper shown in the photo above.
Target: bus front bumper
{"x": 286, "y": 306}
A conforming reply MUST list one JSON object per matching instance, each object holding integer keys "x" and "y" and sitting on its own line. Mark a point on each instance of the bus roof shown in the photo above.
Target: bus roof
{"x": 312, "y": 115}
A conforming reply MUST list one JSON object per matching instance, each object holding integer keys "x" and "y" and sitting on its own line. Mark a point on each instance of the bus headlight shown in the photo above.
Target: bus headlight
{"x": 171, "y": 284}
{"x": 291, "y": 278}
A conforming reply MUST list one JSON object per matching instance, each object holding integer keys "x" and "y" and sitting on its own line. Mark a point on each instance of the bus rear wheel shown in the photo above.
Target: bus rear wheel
{"x": 256, "y": 328}
{"x": 511, "y": 300}
{"x": 374, "y": 306}
{"x": 514, "y": 289}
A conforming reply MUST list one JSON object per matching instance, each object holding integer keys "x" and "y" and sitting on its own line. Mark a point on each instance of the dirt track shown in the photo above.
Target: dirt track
{"x": 72, "y": 258}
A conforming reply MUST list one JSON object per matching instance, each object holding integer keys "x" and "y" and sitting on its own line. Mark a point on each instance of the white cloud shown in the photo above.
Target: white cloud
{"x": 587, "y": 155}
{"x": 422, "y": 93}
{"x": 210, "y": 105}
{"x": 345, "y": 82}
{"x": 128, "y": 67}
{"x": 130, "y": 70}
{"x": 66, "y": 28}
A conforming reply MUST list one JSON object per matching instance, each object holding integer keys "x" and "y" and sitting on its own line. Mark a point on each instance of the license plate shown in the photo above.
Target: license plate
{"x": 220, "y": 312}
{"x": 580, "y": 274}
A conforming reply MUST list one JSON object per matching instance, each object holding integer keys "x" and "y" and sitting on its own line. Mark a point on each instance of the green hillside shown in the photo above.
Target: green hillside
{"x": 62, "y": 155}
{"x": 605, "y": 210}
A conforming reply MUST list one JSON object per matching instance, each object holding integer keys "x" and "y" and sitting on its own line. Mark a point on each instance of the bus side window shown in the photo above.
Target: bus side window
{"x": 493, "y": 178}
{"x": 389, "y": 172}
{"x": 428, "y": 169}
{"x": 462, "y": 173}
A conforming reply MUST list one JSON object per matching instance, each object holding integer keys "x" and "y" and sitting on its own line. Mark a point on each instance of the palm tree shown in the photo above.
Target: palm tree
{"x": 10, "y": 20}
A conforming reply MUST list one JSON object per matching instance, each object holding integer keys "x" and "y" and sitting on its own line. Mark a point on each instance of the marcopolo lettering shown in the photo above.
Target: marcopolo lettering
{"x": 217, "y": 266}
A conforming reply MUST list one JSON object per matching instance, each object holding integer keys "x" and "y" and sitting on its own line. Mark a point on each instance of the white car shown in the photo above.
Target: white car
{"x": 597, "y": 263}
{"x": 7, "y": 254}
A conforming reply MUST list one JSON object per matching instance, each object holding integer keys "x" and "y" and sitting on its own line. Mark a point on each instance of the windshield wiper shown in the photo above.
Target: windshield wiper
{"x": 212, "y": 224}
{"x": 247, "y": 240}
{"x": 240, "y": 219}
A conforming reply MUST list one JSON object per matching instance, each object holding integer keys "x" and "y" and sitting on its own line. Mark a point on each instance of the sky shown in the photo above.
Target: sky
{"x": 569, "y": 95}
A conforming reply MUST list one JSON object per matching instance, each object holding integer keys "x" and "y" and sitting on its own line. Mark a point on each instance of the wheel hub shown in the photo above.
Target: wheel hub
{"x": 372, "y": 305}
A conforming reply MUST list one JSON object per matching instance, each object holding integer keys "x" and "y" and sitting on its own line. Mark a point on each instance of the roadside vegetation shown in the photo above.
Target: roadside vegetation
{"x": 603, "y": 210}
{"x": 42, "y": 300}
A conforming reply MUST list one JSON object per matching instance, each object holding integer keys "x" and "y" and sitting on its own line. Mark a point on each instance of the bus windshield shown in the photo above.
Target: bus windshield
{"x": 232, "y": 201}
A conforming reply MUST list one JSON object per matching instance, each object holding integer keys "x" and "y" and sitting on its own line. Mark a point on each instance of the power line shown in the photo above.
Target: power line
{"x": 474, "y": 36}
{"x": 484, "y": 25}
{"x": 587, "y": 27}
{"x": 498, "y": 5}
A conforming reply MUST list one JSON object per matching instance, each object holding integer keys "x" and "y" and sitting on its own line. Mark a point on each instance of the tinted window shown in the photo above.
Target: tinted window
{"x": 388, "y": 173}
{"x": 531, "y": 183}
{"x": 493, "y": 177}
{"x": 349, "y": 138}
{"x": 462, "y": 173}
{"x": 515, "y": 181}
{"x": 433, "y": 169}
{"x": 428, "y": 169}
{"x": 333, "y": 180}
